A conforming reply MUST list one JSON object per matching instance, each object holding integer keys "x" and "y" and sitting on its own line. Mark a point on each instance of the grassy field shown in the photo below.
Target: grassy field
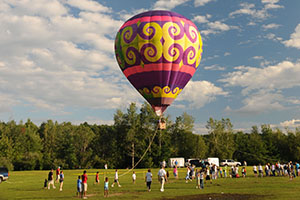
{"x": 29, "y": 185}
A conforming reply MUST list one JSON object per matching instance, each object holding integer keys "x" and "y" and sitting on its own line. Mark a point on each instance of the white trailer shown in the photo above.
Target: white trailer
{"x": 213, "y": 161}
{"x": 172, "y": 161}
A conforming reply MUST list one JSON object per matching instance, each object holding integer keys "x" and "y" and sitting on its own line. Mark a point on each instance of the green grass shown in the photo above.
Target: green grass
{"x": 29, "y": 185}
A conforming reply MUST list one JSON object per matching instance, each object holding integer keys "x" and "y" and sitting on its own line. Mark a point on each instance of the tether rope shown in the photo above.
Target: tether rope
{"x": 142, "y": 155}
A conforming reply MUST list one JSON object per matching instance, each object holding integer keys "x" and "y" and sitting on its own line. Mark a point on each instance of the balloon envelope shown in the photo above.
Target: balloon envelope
{"x": 158, "y": 51}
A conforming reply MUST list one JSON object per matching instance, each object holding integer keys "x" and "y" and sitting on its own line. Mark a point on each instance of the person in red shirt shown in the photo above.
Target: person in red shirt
{"x": 57, "y": 174}
{"x": 97, "y": 178}
{"x": 84, "y": 184}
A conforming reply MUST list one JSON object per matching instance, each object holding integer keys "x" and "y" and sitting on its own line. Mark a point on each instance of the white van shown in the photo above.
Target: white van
{"x": 172, "y": 161}
{"x": 213, "y": 161}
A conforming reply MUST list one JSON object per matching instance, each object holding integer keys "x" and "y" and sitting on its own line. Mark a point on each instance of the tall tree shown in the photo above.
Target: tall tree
{"x": 221, "y": 140}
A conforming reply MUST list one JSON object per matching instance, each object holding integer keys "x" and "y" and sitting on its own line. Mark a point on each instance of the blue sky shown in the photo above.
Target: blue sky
{"x": 57, "y": 61}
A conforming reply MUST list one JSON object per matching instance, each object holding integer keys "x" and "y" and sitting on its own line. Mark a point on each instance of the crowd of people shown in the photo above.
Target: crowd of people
{"x": 289, "y": 169}
{"x": 203, "y": 174}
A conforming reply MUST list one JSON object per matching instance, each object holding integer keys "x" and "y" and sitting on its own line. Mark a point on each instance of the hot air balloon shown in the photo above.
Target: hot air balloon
{"x": 158, "y": 51}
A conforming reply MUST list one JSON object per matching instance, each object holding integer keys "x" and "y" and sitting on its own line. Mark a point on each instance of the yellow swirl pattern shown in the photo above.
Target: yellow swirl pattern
{"x": 152, "y": 53}
{"x": 130, "y": 56}
{"x": 150, "y": 42}
{"x": 158, "y": 92}
{"x": 199, "y": 52}
{"x": 169, "y": 41}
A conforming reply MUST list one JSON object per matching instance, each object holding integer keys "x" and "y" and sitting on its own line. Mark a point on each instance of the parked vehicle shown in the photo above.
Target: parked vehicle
{"x": 197, "y": 162}
{"x": 3, "y": 174}
{"x": 230, "y": 162}
{"x": 180, "y": 162}
{"x": 213, "y": 161}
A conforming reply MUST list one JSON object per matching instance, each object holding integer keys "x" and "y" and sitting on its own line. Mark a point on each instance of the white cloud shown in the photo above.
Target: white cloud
{"x": 246, "y": 9}
{"x": 258, "y": 57}
{"x": 6, "y": 101}
{"x": 217, "y": 27}
{"x": 200, "y": 129}
{"x": 198, "y": 3}
{"x": 270, "y": 26}
{"x": 88, "y": 5}
{"x": 272, "y": 36}
{"x": 291, "y": 123}
{"x": 201, "y": 19}
{"x": 168, "y": 4}
{"x": 263, "y": 87}
{"x": 269, "y": 1}
{"x": 44, "y": 8}
{"x": 51, "y": 60}
{"x": 214, "y": 68}
{"x": 281, "y": 76}
{"x": 271, "y": 4}
{"x": 199, "y": 93}
{"x": 294, "y": 40}
{"x": 227, "y": 54}
{"x": 249, "y": 9}
{"x": 261, "y": 101}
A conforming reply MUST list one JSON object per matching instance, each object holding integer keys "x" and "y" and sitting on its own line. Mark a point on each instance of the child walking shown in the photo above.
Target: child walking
{"x": 61, "y": 180}
{"x": 106, "y": 187}
{"x": 149, "y": 179}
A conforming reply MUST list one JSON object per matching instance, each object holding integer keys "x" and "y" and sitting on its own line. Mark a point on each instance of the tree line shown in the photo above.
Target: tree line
{"x": 26, "y": 146}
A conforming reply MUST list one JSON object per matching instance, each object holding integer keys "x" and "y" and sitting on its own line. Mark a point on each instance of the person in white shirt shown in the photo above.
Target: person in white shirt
{"x": 116, "y": 179}
{"x": 255, "y": 170}
{"x": 149, "y": 179}
{"x": 260, "y": 170}
{"x": 133, "y": 177}
{"x": 162, "y": 177}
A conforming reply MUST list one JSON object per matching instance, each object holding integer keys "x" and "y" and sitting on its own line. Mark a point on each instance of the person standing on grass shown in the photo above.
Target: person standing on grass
{"x": 133, "y": 177}
{"x": 149, "y": 179}
{"x": 57, "y": 174}
{"x": 202, "y": 179}
{"x": 162, "y": 177}
{"x": 273, "y": 170}
{"x": 198, "y": 179}
{"x": 208, "y": 175}
{"x": 188, "y": 171}
{"x": 116, "y": 179}
{"x": 260, "y": 172}
{"x": 106, "y": 184}
{"x": 244, "y": 172}
{"x": 61, "y": 180}
{"x": 84, "y": 184}
{"x": 79, "y": 187}
{"x": 175, "y": 172}
{"x": 297, "y": 168}
{"x": 267, "y": 170}
{"x": 225, "y": 171}
{"x": 193, "y": 172}
{"x": 97, "y": 178}
{"x": 255, "y": 170}
{"x": 51, "y": 180}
